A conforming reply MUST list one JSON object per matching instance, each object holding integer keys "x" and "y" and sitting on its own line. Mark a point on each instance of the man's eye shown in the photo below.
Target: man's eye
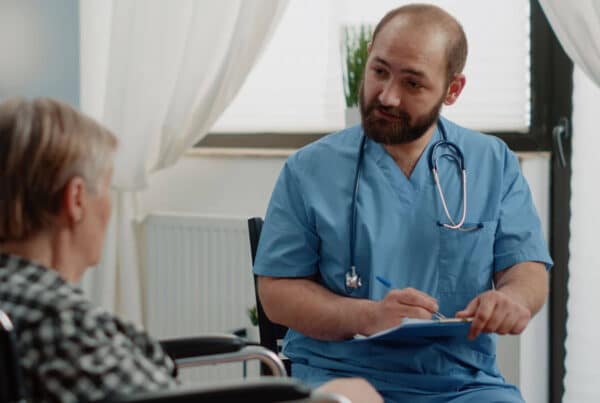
{"x": 379, "y": 72}
{"x": 413, "y": 84}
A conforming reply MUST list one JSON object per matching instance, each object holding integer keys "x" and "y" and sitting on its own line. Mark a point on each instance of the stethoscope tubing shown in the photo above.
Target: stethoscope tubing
{"x": 354, "y": 197}
{"x": 458, "y": 157}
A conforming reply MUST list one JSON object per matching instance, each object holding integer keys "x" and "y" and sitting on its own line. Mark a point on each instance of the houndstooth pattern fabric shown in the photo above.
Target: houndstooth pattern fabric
{"x": 70, "y": 351}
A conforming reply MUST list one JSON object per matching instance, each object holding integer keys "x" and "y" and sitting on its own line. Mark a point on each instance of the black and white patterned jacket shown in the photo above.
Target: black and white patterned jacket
{"x": 69, "y": 350}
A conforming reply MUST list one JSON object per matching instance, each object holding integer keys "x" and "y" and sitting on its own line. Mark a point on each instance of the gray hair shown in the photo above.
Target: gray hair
{"x": 44, "y": 143}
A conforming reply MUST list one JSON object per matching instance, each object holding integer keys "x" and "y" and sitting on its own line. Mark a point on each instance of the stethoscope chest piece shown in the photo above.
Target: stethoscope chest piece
{"x": 353, "y": 280}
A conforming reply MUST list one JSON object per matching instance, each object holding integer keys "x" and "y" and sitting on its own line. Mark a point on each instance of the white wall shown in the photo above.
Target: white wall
{"x": 39, "y": 44}
{"x": 534, "y": 362}
{"x": 241, "y": 186}
{"x": 237, "y": 186}
{"x": 582, "y": 351}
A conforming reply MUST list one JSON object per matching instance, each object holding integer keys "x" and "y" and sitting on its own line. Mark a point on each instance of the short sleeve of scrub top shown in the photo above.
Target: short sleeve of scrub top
{"x": 288, "y": 245}
{"x": 518, "y": 238}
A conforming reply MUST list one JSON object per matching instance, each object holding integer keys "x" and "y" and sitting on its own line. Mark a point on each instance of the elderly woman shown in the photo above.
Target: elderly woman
{"x": 55, "y": 171}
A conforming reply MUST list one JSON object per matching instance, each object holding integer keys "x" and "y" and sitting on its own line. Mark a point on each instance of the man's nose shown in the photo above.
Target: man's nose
{"x": 391, "y": 95}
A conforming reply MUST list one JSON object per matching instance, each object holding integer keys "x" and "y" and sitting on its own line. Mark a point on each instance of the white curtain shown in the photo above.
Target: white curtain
{"x": 577, "y": 26}
{"x": 159, "y": 74}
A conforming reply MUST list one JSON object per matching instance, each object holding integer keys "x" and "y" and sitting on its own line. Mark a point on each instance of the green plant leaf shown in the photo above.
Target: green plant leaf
{"x": 354, "y": 50}
{"x": 253, "y": 315}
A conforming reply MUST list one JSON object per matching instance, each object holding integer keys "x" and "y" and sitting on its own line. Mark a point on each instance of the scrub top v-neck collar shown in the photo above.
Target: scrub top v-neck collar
{"x": 405, "y": 188}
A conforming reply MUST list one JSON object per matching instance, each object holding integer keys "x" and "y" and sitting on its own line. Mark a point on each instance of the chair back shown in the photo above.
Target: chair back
{"x": 11, "y": 382}
{"x": 271, "y": 334}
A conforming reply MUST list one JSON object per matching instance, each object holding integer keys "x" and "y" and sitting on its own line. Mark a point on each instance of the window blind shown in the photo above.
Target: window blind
{"x": 296, "y": 86}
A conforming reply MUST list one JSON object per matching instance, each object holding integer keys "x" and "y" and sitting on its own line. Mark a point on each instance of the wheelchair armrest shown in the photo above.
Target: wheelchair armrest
{"x": 219, "y": 349}
{"x": 189, "y": 347}
{"x": 259, "y": 390}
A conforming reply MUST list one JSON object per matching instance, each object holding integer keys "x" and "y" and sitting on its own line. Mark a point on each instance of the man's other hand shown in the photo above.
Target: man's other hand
{"x": 495, "y": 312}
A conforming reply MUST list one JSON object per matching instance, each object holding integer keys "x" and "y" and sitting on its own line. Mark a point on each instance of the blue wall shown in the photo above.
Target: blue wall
{"x": 39, "y": 49}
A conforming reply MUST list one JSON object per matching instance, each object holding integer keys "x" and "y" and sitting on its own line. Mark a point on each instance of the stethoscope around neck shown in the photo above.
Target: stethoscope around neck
{"x": 440, "y": 149}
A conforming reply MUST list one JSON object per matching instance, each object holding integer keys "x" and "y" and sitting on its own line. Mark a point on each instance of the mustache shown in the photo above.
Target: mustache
{"x": 390, "y": 110}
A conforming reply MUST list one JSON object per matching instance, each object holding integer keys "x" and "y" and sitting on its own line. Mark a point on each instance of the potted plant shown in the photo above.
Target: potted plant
{"x": 355, "y": 42}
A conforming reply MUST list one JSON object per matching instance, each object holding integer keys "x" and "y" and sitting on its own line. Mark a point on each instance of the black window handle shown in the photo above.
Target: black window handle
{"x": 560, "y": 133}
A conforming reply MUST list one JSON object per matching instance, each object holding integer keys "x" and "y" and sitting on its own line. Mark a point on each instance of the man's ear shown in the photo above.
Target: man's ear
{"x": 369, "y": 47}
{"x": 455, "y": 88}
{"x": 73, "y": 199}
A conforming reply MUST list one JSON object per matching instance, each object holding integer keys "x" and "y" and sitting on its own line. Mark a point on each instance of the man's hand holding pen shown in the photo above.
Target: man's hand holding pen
{"x": 397, "y": 305}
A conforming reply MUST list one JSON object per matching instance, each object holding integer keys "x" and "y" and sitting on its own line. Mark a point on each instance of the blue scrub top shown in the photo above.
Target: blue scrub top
{"x": 398, "y": 237}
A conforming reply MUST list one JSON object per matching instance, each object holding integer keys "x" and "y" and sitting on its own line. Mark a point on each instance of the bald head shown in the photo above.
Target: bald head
{"x": 436, "y": 21}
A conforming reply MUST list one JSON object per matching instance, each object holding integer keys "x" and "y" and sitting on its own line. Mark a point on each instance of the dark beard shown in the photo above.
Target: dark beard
{"x": 398, "y": 132}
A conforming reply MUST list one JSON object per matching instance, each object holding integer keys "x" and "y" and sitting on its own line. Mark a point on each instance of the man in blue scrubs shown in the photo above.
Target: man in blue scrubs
{"x": 490, "y": 265}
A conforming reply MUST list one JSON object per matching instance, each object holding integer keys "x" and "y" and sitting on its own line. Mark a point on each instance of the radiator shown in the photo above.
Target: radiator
{"x": 197, "y": 276}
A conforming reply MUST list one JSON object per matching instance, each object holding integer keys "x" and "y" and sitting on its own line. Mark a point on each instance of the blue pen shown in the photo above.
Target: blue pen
{"x": 384, "y": 281}
{"x": 387, "y": 283}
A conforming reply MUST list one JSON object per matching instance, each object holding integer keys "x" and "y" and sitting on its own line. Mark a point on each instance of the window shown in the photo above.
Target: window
{"x": 296, "y": 86}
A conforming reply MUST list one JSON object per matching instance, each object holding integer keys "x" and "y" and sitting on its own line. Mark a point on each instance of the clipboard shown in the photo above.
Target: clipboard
{"x": 420, "y": 329}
